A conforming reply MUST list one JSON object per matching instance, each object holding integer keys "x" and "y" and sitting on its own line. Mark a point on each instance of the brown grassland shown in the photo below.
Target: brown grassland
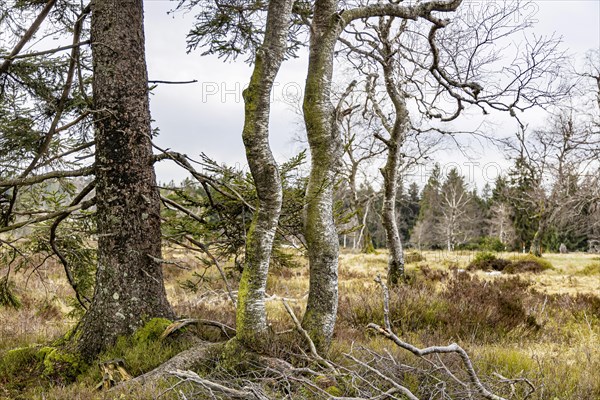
{"x": 544, "y": 327}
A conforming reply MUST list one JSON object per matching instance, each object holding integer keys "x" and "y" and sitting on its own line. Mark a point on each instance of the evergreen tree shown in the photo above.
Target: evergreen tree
{"x": 425, "y": 233}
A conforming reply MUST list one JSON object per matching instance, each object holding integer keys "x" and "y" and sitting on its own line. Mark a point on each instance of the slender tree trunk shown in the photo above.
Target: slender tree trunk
{"x": 129, "y": 283}
{"x": 326, "y": 151}
{"x": 251, "y": 319}
{"x": 391, "y": 170}
{"x": 365, "y": 236}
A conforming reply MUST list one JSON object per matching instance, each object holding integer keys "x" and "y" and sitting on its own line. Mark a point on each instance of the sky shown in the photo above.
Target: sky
{"x": 207, "y": 117}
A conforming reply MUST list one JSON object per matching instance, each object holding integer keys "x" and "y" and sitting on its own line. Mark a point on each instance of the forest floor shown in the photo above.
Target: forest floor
{"x": 522, "y": 331}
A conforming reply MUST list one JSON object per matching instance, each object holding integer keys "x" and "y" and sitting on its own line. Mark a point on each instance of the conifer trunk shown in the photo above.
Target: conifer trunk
{"x": 129, "y": 283}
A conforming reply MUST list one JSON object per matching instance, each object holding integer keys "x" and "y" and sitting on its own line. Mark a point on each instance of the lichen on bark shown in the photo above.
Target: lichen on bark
{"x": 251, "y": 319}
{"x": 129, "y": 284}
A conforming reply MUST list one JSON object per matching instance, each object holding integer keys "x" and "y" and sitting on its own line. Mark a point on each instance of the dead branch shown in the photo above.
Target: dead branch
{"x": 313, "y": 350}
{"x": 396, "y": 385}
{"x": 45, "y": 52}
{"x": 81, "y": 206}
{"x": 21, "y": 181}
{"x": 248, "y": 393}
{"x": 175, "y": 82}
{"x": 452, "y": 348}
{"x": 78, "y": 199}
{"x": 227, "y": 331}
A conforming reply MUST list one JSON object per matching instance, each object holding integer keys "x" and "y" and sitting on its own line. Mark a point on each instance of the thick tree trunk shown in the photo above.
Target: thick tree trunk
{"x": 326, "y": 151}
{"x": 251, "y": 312}
{"x": 129, "y": 284}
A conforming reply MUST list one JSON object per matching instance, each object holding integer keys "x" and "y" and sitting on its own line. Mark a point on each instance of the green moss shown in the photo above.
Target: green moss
{"x": 28, "y": 364}
{"x": 18, "y": 360}
{"x": 151, "y": 331}
{"x": 59, "y": 365}
{"x": 334, "y": 391}
{"x": 236, "y": 357}
{"x": 144, "y": 350}
{"x": 322, "y": 343}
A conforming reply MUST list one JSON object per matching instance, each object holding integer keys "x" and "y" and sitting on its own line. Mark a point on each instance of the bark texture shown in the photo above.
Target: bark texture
{"x": 251, "y": 319}
{"x": 129, "y": 283}
{"x": 326, "y": 151}
{"x": 391, "y": 170}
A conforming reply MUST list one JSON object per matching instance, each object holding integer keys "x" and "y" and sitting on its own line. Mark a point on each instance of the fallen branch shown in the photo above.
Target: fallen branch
{"x": 396, "y": 385}
{"x": 231, "y": 393}
{"x": 313, "y": 350}
{"x": 452, "y": 348}
{"x": 228, "y": 331}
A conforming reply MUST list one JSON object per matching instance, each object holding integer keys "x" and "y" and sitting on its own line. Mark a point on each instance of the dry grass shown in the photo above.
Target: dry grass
{"x": 545, "y": 327}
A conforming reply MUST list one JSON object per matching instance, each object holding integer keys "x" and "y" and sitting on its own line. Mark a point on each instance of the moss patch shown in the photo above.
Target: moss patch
{"x": 23, "y": 367}
{"x": 142, "y": 351}
{"x": 151, "y": 331}
{"x": 59, "y": 365}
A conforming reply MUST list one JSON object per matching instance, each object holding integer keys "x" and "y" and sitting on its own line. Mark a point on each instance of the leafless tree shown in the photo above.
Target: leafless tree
{"x": 455, "y": 58}
{"x": 361, "y": 149}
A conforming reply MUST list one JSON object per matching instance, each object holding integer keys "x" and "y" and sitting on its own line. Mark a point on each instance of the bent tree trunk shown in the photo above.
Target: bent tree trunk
{"x": 391, "y": 170}
{"x": 129, "y": 283}
{"x": 251, "y": 319}
{"x": 326, "y": 150}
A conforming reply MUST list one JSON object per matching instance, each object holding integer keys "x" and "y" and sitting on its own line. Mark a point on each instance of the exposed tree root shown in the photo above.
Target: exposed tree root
{"x": 185, "y": 360}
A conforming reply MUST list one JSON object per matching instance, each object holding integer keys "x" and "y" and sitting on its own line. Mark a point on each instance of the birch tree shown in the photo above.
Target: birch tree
{"x": 456, "y": 209}
{"x": 251, "y": 313}
{"x": 321, "y": 119}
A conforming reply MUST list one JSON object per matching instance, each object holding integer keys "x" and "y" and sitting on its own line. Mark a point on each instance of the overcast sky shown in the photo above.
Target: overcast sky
{"x": 208, "y": 116}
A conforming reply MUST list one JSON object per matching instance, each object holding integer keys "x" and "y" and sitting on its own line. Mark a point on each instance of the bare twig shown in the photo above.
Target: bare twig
{"x": 216, "y": 387}
{"x": 27, "y": 36}
{"x": 452, "y": 348}
{"x": 313, "y": 350}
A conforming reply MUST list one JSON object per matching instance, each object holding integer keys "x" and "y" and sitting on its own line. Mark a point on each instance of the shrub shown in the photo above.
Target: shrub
{"x": 489, "y": 243}
{"x": 413, "y": 257}
{"x": 434, "y": 275}
{"x": 528, "y": 263}
{"x": 484, "y": 309}
{"x": 468, "y": 307}
{"x": 486, "y": 261}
